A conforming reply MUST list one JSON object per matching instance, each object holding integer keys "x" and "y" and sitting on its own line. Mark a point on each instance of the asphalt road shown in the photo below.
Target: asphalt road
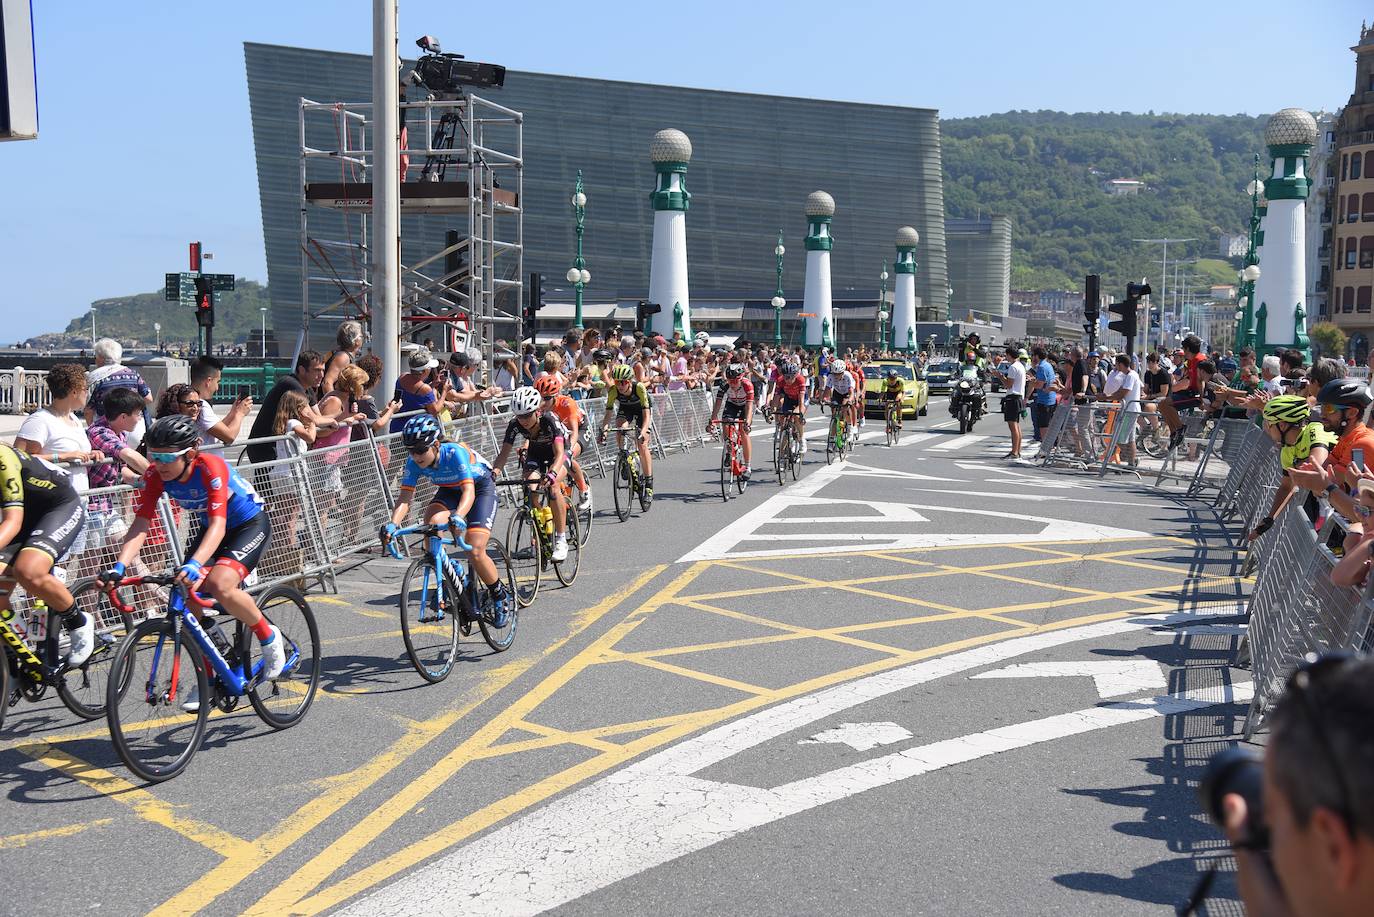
{"x": 922, "y": 680}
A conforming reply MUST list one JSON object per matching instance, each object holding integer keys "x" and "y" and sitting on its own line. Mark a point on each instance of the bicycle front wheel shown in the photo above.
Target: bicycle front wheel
{"x": 781, "y": 452}
{"x": 499, "y": 638}
{"x": 566, "y": 570}
{"x": 623, "y": 488}
{"x": 153, "y": 673}
{"x": 4, "y": 683}
{"x": 525, "y": 555}
{"x": 429, "y": 620}
{"x": 584, "y": 516}
{"x": 83, "y": 689}
{"x": 725, "y": 469}
{"x": 283, "y": 703}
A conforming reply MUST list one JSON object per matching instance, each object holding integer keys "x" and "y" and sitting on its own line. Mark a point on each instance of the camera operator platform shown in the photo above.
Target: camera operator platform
{"x": 461, "y": 187}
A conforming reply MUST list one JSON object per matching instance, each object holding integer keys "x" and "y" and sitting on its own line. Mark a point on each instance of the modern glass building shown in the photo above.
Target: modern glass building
{"x": 755, "y": 159}
{"x": 980, "y": 265}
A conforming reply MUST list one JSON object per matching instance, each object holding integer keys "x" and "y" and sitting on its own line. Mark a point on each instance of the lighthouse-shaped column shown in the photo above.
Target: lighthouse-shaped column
{"x": 820, "y": 326}
{"x": 670, "y": 151}
{"x": 1279, "y": 291}
{"x": 904, "y": 297}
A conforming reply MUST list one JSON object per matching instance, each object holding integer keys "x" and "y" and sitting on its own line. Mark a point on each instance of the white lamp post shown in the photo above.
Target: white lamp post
{"x": 157, "y": 331}
{"x": 263, "y": 310}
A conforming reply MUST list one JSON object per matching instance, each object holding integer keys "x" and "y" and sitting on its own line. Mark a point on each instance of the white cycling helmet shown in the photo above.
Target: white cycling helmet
{"x": 526, "y": 400}
{"x": 703, "y": 338}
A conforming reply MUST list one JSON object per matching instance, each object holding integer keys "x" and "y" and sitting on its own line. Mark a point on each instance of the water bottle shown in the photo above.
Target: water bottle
{"x": 545, "y": 516}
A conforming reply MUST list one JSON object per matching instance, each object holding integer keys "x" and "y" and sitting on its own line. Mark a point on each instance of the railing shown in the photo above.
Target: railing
{"x": 23, "y": 391}
{"x": 254, "y": 381}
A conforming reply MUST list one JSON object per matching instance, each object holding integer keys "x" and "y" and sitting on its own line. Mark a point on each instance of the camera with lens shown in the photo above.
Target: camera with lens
{"x": 445, "y": 74}
{"x": 1238, "y": 770}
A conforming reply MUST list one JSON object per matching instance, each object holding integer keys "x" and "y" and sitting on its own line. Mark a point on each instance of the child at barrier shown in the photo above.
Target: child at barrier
{"x": 295, "y": 424}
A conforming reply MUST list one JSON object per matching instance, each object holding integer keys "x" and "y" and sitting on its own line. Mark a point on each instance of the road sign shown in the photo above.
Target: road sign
{"x": 220, "y": 282}
{"x": 181, "y": 288}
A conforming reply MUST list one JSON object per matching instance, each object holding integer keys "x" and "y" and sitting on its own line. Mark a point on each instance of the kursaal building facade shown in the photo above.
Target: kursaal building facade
{"x": 754, "y": 159}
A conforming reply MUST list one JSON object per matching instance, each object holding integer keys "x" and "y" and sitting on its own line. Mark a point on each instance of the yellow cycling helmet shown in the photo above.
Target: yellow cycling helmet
{"x": 1287, "y": 409}
{"x": 622, "y": 373}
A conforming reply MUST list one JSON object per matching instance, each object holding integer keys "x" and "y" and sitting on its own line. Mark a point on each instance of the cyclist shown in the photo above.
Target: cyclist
{"x": 545, "y": 455}
{"x": 569, "y": 413}
{"x": 892, "y": 392}
{"x": 1288, "y": 422}
{"x": 631, "y": 400}
{"x": 464, "y": 495}
{"x": 790, "y": 394}
{"x": 841, "y": 385}
{"x": 43, "y": 518}
{"x": 856, "y": 401}
{"x": 737, "y": 394}
{"x": 234, "y": 529}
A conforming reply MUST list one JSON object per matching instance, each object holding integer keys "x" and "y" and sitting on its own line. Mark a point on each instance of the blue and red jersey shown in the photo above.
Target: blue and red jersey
{"x": 457, "y": 462}
{"x": 213, "y": 490}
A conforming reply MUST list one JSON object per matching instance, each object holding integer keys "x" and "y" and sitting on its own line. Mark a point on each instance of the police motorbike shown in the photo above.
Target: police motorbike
{"x": 968, "y": 400}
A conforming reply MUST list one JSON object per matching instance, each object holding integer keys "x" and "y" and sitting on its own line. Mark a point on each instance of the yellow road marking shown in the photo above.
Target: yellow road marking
{"x": 565, "y": 736}
{"x": 832, "y": 635}
{"x": 347, "y": 787}
{"x": 144, "y": 804}
{"x": 15, "y": 841}
{"x": 687, "y": 673}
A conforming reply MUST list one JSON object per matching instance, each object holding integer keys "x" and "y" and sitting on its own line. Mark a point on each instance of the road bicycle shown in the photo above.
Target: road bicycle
{"x": 156, "y": 724}
{"x": 893, "y": 417}
{"x": 786, "y": 446}
{"x": 837, "y": 441}
{"x": 732, "y": 457}
{"x": 35, "y": 651}
{"x": 627, "y": 481}
{"x": 530, "y": 535}
{"x": 440, "y": 598}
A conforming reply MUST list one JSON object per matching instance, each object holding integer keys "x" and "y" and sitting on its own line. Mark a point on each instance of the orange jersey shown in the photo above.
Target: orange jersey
{"x": 567, "y": 411}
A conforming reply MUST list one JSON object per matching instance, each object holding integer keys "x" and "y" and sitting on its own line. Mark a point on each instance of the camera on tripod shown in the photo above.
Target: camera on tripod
{"x": 445, "y": 74}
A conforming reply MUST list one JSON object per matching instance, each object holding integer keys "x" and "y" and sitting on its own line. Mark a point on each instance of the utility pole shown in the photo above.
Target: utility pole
{"x": 1163, "y": 280}
{"x": 386, "y": 189}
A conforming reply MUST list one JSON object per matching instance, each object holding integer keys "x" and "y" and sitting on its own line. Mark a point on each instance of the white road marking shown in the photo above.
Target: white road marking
{"x": 860, "y": 736}
{"x": 886, "y": 512}
{"x": 1031, "y": 498}
{"x": 657, "y": 810}
{"x": 1113, "y": 677}
{"x": 957, "y": 442}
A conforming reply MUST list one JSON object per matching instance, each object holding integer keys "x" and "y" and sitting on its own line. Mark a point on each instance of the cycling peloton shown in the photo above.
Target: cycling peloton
{"x": 546, "y": 455}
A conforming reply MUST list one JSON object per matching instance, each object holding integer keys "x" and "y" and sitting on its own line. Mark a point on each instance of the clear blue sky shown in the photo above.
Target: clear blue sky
{"x": 145, "y": 141}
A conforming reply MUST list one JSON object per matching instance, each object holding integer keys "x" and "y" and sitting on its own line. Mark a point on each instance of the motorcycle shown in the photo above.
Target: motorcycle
{"x": 968, "y": 402}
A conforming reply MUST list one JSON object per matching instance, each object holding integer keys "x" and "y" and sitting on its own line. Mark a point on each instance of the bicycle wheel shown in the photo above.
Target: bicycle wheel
{"x": 429, "y": 620}
{"x": 781, "y": 452}
{"x": 4, "y": 683}
{"x": 740, "y": 481}
{"x": 499, "y": 639}
{"x": 832, "y": 440}
{"x": 566, "y": 570}
{"x": 152, "y": 673}
{"x": 526, "y": 556}
{"x": 623, "y": 487}
{"x": 584, "y": 517}
{"x": 283, "y": 703}
{"x": 725, "y": 469}
{"x": 83, "y": 689}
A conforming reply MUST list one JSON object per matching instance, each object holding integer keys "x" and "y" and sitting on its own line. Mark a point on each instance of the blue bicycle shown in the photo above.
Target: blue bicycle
{"x": 440, "y": 597}
{"x": 156, "y": 723}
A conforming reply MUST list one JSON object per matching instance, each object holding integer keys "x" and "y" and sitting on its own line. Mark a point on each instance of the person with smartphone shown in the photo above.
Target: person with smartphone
{"x": 205, "y": 375}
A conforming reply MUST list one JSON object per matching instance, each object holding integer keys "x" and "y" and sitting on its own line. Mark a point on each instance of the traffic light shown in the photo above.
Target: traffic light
{"x": 644, "y": 309}
{"x": 1091, "y": 297}
{"x": 205, "y": 303}
{"x": 534, "y": 301}
{"x": 1128, "y": 310}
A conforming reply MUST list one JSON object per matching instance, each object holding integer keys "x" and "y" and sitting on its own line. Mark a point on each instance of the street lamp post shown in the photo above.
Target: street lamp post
{"x": 1251, "y": 271}
{"x": 882, "y": 308}
{"x": 93, "y": 325}
{"x": 949, "y": 315}
{"x": 949, "y": 331}
{"x": 157, "y": 332}
{"x": 263, "y": 310}
{"x": 578, "y": 275}
{"x": 778, "y": 302}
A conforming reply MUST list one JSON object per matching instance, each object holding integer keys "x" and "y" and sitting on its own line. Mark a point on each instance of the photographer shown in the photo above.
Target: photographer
{"x": 1310, "y": 848}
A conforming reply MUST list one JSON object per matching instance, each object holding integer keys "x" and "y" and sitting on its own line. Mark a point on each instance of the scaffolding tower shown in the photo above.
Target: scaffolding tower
{"x": 462, "y": 173}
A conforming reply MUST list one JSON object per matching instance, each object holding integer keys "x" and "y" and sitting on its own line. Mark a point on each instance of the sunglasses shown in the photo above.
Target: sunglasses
{"x": 166, "y": 458}
{"x": 419, "y": 450}
{"x": 188, "y": 403}
{"x": 1302, "y": 685}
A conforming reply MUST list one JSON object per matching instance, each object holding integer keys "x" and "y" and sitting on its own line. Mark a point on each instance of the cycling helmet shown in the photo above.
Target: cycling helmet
{"x": 622, "y": 373}
{"x": 422, "y": 431}
{"x": 734, "y": 371}
{"x": 702, "y": 338}
{"x": 547, "y": 386}
{"x": 789, "y": 369}
{"x": 602, "y": 354}
{"x": 526, "y": 400}
{"x": 1287, "y": 408}
{"x": 1345, "y": 393}
{"x": 892, "y": 372}
{"x": 172, "y": 433}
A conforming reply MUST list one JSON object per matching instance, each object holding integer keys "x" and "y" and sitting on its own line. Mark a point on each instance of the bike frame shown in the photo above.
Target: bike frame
{"x": 434, "y": 547}
{"x": 733, "y": 430}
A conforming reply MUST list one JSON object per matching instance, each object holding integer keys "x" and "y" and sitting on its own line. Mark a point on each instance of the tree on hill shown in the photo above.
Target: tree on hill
{"x": 130, "y": 318}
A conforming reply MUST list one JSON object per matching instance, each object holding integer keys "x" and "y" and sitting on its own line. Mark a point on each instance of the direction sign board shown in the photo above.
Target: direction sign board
{"x": 220, "y": 281}
{"x": 182, "y": 287}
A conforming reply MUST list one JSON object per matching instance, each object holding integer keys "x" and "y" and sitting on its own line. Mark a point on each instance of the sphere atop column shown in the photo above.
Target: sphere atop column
{"x": 907, "y": 237}
{"x": 1289, "y": 127}
{"x": 820, "y": 204}
{"x": 670, "y": 145}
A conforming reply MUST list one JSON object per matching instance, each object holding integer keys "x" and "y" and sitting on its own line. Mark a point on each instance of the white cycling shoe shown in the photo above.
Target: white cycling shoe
{"x": 560, "y": 548}
{"x": 82, "y": 641}
{"x": 273, "y": 656}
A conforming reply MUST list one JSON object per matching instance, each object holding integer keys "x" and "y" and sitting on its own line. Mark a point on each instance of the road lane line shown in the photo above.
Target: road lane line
{"x": 958, "y": 442}
{"x": 15, "y": 841}
{"x": 656, "y": 810}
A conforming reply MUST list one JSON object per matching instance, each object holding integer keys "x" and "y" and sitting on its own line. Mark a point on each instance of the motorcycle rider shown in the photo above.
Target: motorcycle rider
{"x": 970, "y": 372}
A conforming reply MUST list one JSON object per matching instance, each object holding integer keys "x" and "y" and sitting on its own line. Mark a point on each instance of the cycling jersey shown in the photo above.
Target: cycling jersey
{"x": 736, "y": 395}
{"x": 457, "y": 462}
{"x": 793, "y": 388}
{"x": 568, "y": 412}
{"x": 210, "y": 488}
{"x": 32, "y": 483}
{"x": 1311, "y": 434}
{"x": 541, "y": 438}
{"x": 841, "y": 383}
{"x": 893, "y": 388}
{"x": 635, "y": 401}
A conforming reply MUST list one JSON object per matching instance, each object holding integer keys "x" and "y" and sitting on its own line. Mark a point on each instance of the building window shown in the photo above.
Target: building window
{"x": 1367, "y": 207}
{"x": 1362, "y": 299}
{"x": 1350, "y": 252}
{"x": 1340, "y": 216}
{"x": 1345, "y": 165}
{"x": 1348, "y": 299}
{"x": 1354, "y": 166}
{"x": 1352, "y": 208}
{"x": 1367, "y": 251}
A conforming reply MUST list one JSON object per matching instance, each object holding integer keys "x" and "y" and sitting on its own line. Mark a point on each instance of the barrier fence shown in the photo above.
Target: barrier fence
{"x": 326, "y": 504}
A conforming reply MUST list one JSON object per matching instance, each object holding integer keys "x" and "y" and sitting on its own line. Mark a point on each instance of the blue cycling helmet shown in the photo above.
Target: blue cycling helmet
{"x": 422, "y": 431}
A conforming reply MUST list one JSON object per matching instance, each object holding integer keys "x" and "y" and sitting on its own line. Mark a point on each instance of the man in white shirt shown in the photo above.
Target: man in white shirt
{"x": 1271, "y": 370}
{"x": 205, "y": 375}
{"x": 1014, "y": 381}
{"x": 1124, "y": 386}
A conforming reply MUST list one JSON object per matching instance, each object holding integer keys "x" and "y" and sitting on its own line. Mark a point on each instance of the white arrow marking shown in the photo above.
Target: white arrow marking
{"x": 860, "y": 736}
{"x": 958, "y": 442}
{"x": 886, "y": 512}
{"x": 1112, "y": 677}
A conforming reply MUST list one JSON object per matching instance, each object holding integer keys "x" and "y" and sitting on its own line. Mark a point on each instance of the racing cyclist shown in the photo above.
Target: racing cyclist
{"x": 569, "y": 414}
{"x": 790, "y": 394}
{"x": 545, "y": 455}
{"x": 856, "y": 401}
{"x": 464, "y": 495}
{"x": 737, "y": 394}
{"x": 631, "y": 400}
{"x": 892, "y": 391}
{"x": 234, "y": 530}
{"x": 841, "y": 386}
{"x": 43, "y": 518}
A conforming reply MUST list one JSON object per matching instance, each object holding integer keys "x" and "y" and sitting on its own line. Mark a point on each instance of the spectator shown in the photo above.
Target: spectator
{"x": 294, "y": 422}
{"x": 463, "y": 391}
{"x": 572, "y": 349}
{"x": 626, "y": 354}
{"x": 348, "y": 341}
{"x": 110, "y": 374}
{"x": 1014, "y": 379}
{"x": 1184, "y": 394}
{"x": 1270, "y": 373}
{"x": 1318, "y": 793}
{"x": 304, "y": 379}
{"x": 529, "y": 365}
{"x": 178, "y": 398}
{"x": 340, "y": 409}
{"x": 109, "y": 435}
{"x": 371, "y": 367}
{"x": 553, "y": 366}
{"x": 1043, "y": 388}
{"x": 55, "y": 433}
{"x": 1124, "y": 387}
{"x": 414, "y": 391}
{"x": 1343, "y": 404}
{"x": 591, "y": 343}
{"x": 205, "y": 376}
{"x": 507, "y": 371}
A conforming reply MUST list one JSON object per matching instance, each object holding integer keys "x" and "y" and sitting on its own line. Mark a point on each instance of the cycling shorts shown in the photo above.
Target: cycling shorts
{"x": 55, "y": 533}
{"x": 542, "y": 459}
{"x": 838, "y": 398}
{"x": 242, "y": 547}
{"x": 789, "y": 404}
{"x": 733, "y": 412}
{"x": 482, "y": 513}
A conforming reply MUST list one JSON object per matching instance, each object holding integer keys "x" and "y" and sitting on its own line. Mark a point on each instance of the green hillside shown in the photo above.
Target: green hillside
{"x": 130, "y": 318}
{"x": 1046, "y": 170}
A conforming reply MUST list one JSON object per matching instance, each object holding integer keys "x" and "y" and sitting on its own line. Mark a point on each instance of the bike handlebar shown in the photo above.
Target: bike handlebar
{"x": 166, "y": 579}
{"x": 427, "y": 530}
